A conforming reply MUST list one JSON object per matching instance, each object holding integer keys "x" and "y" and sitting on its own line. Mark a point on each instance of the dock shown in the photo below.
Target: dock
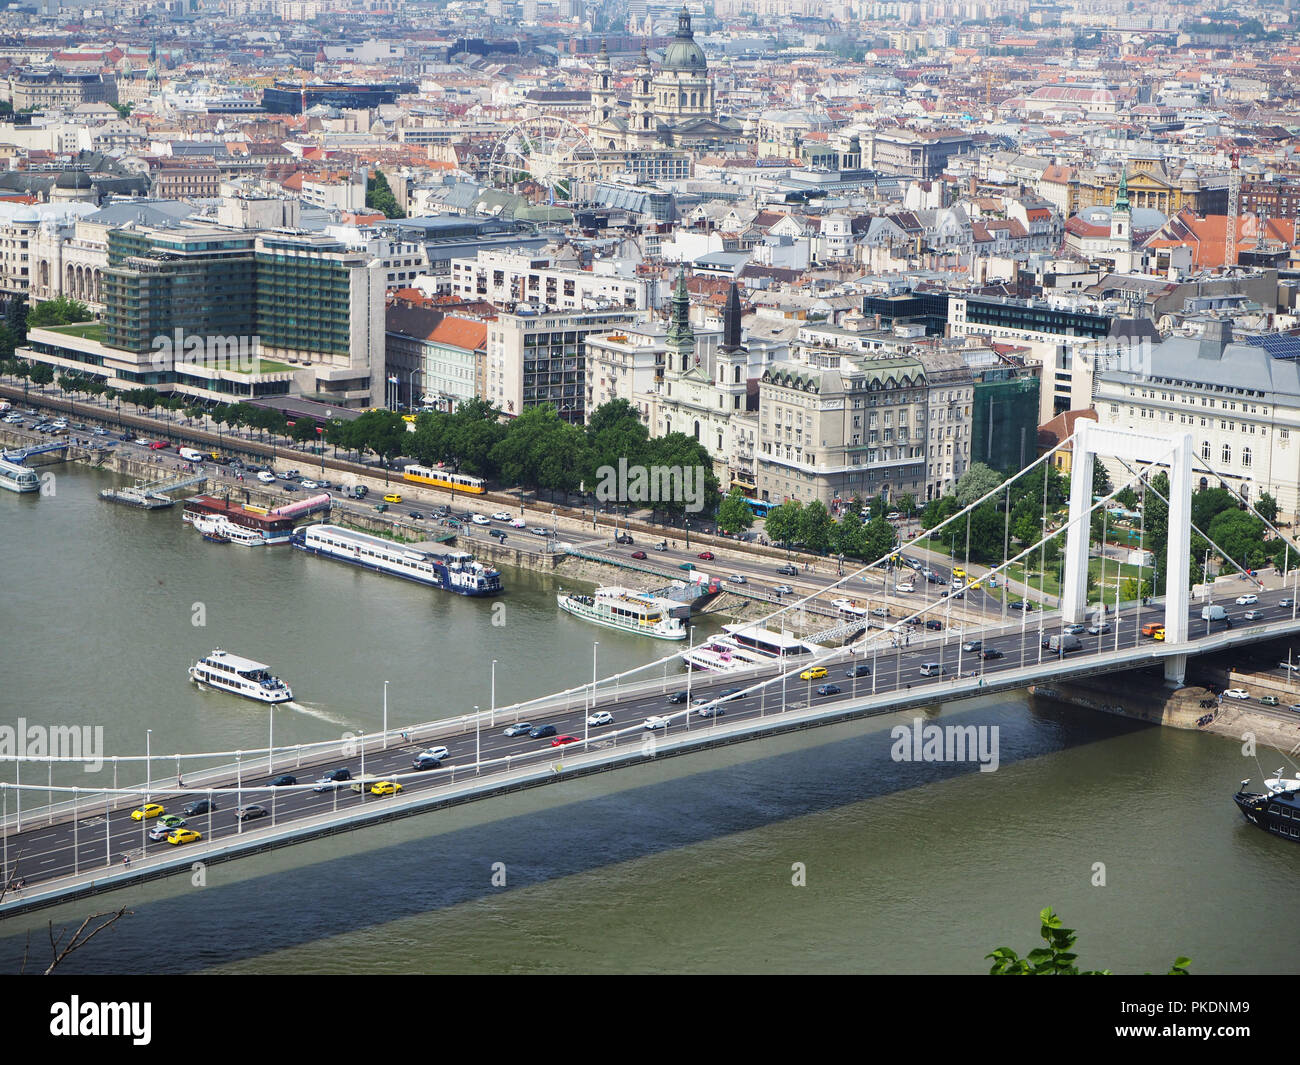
{"x": 153, "y": 495}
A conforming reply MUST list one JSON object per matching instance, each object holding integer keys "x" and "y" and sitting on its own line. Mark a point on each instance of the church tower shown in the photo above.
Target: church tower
{"x": 683, "y": 89}
{"x": 732, "y": 360}
{"x": 1121, "y": 218}
{"x": 642, "y": 126}
{"x": 681, "y": 334}
{"x": 602, "y": 89}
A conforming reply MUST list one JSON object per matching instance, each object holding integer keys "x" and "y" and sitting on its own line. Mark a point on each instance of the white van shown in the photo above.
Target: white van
{"x": 190, "y": 454}
{"x": 931, "y": 669}
{"x": 1213, "y": 613}
{"x": 265, "y": 476}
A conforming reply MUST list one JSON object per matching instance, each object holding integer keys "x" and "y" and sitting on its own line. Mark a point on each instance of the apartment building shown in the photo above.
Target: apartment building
{"x": 511, "y": 277}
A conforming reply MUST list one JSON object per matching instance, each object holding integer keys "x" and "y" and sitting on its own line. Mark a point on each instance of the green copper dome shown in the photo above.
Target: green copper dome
{"x": 684, "y": 54}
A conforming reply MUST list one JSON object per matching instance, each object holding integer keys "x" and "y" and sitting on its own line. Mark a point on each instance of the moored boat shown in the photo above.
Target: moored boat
{"x": 630, "y": 611}
{"x": 452, "y": 570}
{"x": 1276, "y": 810}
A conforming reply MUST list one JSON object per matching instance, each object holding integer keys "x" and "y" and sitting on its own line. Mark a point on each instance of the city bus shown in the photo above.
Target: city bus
{"x": 759, "y": 508}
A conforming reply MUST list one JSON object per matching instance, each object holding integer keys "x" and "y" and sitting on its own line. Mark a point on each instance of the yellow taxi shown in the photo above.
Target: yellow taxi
{"x": 385, "y": 787}
{"x": 149, "y": 810}
{"x": 973, "y": 586}
{"x": 392, "y": 497}
{"x": 815, "y": 673}
{"x": 183, "y": 835}
{"x": 958, "y": 572}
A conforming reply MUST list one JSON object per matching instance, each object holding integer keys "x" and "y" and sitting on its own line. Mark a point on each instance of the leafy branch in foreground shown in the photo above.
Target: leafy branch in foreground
{"x": 1055, "y": 959}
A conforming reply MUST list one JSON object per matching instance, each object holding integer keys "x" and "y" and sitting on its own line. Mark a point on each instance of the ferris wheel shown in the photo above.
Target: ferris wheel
{"x": 548, "y": 151}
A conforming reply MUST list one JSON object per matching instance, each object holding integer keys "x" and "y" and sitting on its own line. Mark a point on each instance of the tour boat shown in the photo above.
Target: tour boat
{"x": 221, "y": 530}
{"x": 745, "y": 645}
{"x": 455, "y": 571}
{"x": 630, "y": 611}
{"x": 239, "y": 676}
{"x": 1276, "y": 810}
{"x": 16, "y": 477}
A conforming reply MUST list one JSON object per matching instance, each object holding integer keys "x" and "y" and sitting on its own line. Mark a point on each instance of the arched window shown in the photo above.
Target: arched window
{"x": 1205, "y": 450}
{"x": 1226, "y": 456}
{"x": 1204, "y": 484}
{"x": 1245, "y": 456}
{"x": 697, "y": 430}
{"x": 737, "y": 375}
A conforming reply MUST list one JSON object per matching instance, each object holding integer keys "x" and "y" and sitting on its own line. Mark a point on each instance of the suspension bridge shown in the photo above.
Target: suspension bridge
{"x": 65, "y": 842}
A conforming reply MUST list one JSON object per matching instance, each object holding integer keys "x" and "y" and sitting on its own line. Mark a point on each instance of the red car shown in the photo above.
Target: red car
{"x": 561, "y": 741}
{"x": 638, "y": 554}
{"x": 706, "y": 555}
{"x": 158, "y": 445}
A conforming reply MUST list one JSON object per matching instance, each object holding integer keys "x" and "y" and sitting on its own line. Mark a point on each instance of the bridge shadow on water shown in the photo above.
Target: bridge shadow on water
{"x": 228, "y": 921}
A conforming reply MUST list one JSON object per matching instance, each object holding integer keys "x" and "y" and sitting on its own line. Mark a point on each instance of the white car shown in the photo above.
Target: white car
{"x": 265, "y": 476}
{"x": 143, "y": 440}
{"x": 907, "y": 587}
{"x": 656, "y": 722}
{"x": 436, "y": 752}
{"x": 480, "y": 519}
{"x": 500, "y": 515}
{"x": 1246, "y": 600}
{"x": 518, "y": 523}
{"x": 308, "y": 484}
{"x": 1237, "y": 693}
{"x": 737, "y": 578}
{"x": 601, "y": 717}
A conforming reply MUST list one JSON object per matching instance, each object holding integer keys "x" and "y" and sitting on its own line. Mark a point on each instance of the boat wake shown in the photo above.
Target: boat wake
{"x": 312, "y": 711}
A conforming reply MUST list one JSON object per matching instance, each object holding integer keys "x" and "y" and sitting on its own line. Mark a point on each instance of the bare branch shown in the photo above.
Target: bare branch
{"x": 78, "y": 940}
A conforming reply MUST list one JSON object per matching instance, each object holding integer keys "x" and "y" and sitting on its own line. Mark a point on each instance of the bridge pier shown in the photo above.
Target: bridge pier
{"x": 1175, "y": 670}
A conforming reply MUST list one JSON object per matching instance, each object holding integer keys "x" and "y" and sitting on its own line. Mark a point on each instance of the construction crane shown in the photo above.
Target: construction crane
{"x": 1234, "y": 208}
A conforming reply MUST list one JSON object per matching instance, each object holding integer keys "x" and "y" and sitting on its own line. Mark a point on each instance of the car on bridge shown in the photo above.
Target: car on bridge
{"x": 972, "y": 645}
{"x": 1286, "y": 604}
{"x": 480, "y": 519}
{"x": 600, "y": 717}
{"x": 736, "y": 578}
{"x": 931, "y": 669}
{"x": 788, "y": 570}
{"x": 639, "y": 555}
{"x": 518, "y": 523}
{"x": 426, "y": 761}
{"x": 183, "y": 835}
{"x": 829, "y": 689}
{"x": 1154, "y": 629}
{"x": 1099, "y": 629}
{"x": 251, "y": 812}
{"x": 542, "y": 731}
{"x": 990, "y": 653}
{"x": 334, "y": 777}
{"x": 783, "y": 589}
{"x": 813, "y": 673}
{"x": 1074, "y": 630}
{"x": 935, "y": 624}
{"x": 200, "y": 806}
{"x": 862, "y": 670}
{"x": 655, "y": 722}
{"x": 1252, "y": 615}
{"x": 520, "y": 729}
{"x": 285, "y": 780}
{"x": 501, "y": 515}
{"x": 708, "y": 556}
{"x": 160, "y": 832}
{"x": 1236, "y": 693}
{"x": 677, "y": 697}
{"x": 1247, "y": 600}
{"x": 385, "y": 787}
{"x": 710, "y": 711}
{"x": 563, "y": 741}
{"x": 437, "y": 752}
{"x": 146, "y": 812}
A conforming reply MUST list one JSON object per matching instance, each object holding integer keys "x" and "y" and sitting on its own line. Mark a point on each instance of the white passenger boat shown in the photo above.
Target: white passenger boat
{"x": 15, "y": 477}
{"x": 630, "y": 611}
{"x": 455, "y": 571}
{"x": 745, "y": 645}
{"x": 239, "y": 676}
{"x": 220, "y": 529}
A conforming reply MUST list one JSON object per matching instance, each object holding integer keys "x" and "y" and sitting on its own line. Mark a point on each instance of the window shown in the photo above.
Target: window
{"x": 1226, "y": 454}
{"x": 1245, "y": 456}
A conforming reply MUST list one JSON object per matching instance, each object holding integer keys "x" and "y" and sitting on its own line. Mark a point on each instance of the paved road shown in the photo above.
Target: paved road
{"x": 46, "y": 851}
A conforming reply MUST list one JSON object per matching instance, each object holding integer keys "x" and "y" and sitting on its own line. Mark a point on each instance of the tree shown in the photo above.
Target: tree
{"x": 1208, "y": 503}
{"x": 734, "y": 515}
{"x": 937, "y": 511}
{"x": 1101, "y": 485}
{"x": 41, "y": 374}
{"x": 815, "y": 527}
{"x": 379, "y": 197}
{"x": 1127, "y": 498}
{"x": 1266, "y": 508}
{"x": 1057, "y": 958}
{"x": 59, "y": 311}
{"x": 303, "y": 430}
{"x": 1239, "y": 536}
{"x": 783, "y": 523}
{"x": 879, "y": 539}
{"x": 977, "y": 481}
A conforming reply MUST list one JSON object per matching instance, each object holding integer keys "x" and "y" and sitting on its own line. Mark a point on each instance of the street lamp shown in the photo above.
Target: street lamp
{"x": 688, "y": 534}
{"x": 148, "y": 760}
{"x": 478, "y": 759}
{"x": 493, "y": 718}
{"x": 385, "y": 747}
